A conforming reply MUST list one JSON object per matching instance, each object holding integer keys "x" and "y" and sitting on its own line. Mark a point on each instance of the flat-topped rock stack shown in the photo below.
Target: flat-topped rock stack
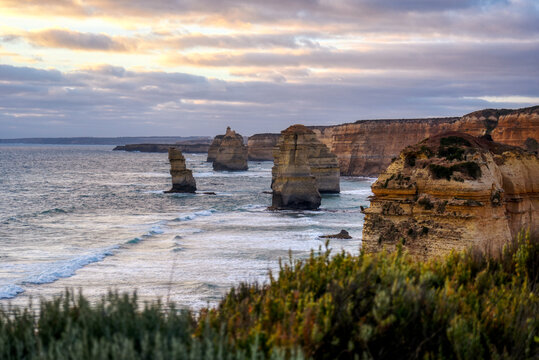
{"x": 453, "y": 191}
{"x": 231, "y": 154}
{"x": 182, "y": 178}
{"x": 323, "y": 163}
{"x": 293, "y": 185}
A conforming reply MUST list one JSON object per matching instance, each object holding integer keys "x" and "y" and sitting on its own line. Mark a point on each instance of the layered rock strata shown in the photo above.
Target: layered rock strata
{"x": 324, "y": 165}
{"x": 453, "y": 191}
{"x": 260, "y": 146}
{"x": 182, "y": 178}
{"x": 293, "y": 185}
{"x": 231, "y": 154}
{"x": 366, "y": 147}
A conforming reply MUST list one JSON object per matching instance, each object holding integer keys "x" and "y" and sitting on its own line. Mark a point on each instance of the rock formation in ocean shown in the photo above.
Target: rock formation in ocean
{"x": 453, "y": 191}
{"x": 231, "y": 154}
{"x": 293, "y": 184}
{"x": 182, "y": 178}
{"x": 260, "y": 146}
{"x": 214, "y": 147}
{"x": 324, "y": 165}
{"x": 343, "y": 234}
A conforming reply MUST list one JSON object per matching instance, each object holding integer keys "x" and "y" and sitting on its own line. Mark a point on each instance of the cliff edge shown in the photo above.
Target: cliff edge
{"x": 453, "y": 191}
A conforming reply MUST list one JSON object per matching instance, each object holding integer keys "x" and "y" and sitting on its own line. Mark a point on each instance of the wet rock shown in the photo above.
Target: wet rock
{"x": 342, "y": 235}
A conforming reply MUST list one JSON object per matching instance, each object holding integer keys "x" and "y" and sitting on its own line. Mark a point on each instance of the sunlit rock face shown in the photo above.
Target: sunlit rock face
{"x": 231, "y": 154}
{"x": 182, "y": 178}
{"x": 293, "y": 185}
{"x": 214, "y": 148}
{"x": 453, "y": 191}
{"x": 323, "y": 164}
{"x": 366, "y": 147}
{"x": 260, "y": 146}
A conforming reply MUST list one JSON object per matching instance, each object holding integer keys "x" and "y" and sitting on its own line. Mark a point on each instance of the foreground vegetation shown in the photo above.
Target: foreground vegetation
{"x": 382, "y": 306}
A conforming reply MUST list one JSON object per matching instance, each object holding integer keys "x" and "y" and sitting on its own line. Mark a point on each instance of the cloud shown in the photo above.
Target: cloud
{"x": 62, "y": 38}
{"x": 106, "y": 100}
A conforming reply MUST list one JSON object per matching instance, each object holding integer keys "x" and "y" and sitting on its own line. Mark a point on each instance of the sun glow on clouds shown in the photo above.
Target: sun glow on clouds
{"x": 258, "y": 65}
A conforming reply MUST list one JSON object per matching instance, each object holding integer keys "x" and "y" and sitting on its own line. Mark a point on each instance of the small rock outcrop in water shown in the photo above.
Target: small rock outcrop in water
{"x": 323, "y": 164}
{"x": 293, "y": 185}
{"x": 182, "y": 178}
{"x": 231, "y": 154}
{"x": 342, "y": 235}
{"x": 453, "y": 191}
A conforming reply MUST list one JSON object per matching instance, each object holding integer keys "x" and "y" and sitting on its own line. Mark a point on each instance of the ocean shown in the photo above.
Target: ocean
{"x": 88, "y": 218}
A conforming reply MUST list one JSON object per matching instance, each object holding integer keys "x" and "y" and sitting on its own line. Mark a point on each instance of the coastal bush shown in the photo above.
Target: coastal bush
{"x": 370, "y": 306}
{"x": 469, "y": 168}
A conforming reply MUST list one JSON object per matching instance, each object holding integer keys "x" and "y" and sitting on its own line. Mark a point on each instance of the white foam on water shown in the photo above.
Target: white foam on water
{"x": 10, "y": 291}
{"x": 192, "y": 216}
{"x": 361, "y": 192}
{"x": 66, "y": 268}
{"x": 154, "y": 192}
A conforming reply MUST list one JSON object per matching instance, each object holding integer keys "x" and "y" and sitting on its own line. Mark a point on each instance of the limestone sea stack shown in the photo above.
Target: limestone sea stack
{"x": 453, "y": 191}
{"x": 293, "y": 184}
{"x": 182, "y": 178}
{"x": 323, "y": 164}
{"x": 231, "y": 154}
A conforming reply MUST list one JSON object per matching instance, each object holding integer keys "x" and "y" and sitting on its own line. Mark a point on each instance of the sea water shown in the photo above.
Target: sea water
{"x": 86, "y": 217}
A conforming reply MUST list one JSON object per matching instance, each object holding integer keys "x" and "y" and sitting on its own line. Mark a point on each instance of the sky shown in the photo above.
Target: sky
{"x": 193, "y": 67}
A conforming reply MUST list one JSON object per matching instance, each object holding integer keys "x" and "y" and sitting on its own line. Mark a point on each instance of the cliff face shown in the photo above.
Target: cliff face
{"x": 453, "y": 191}
{"x": 324, "y": 164}
{"x": 182, "y": 178}
{"x": 231, "y": 154}
{"x": 365, "y": 148}
{"x": 293, "y": 185}
{"x": 260, "y": 146}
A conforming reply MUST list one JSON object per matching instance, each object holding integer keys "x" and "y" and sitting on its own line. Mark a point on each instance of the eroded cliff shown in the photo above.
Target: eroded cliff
{"x": 260, "y": 146}
{"x": 453, "y": 191}
{"x": 365, "y": 148}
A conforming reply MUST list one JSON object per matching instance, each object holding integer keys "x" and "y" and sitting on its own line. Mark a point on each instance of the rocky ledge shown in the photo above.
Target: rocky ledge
{"x": 231, "y": 154}
{"x": 453, "y": 191}
{"x": 182, "y": 178}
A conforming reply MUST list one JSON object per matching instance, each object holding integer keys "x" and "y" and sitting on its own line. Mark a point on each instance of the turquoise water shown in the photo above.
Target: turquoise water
{"x": 85, "y": 217}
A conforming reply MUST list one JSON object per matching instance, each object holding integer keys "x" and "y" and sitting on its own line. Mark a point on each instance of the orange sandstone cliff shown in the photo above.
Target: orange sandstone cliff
{"x": 453, "y": 191}
{"x": 366, "y": 147}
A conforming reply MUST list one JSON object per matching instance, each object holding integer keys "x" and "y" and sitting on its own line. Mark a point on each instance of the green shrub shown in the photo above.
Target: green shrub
{"x": 381, "y": 306}
{"x": 454, "y": 140}
{"x": 469, "y": 168}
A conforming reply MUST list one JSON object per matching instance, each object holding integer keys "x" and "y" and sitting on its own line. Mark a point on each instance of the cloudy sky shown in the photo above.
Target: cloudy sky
{"x": 192, "y": 67}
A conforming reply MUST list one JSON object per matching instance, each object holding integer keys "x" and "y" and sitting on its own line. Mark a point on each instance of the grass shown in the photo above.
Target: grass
{"x": 370, "y": 306}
